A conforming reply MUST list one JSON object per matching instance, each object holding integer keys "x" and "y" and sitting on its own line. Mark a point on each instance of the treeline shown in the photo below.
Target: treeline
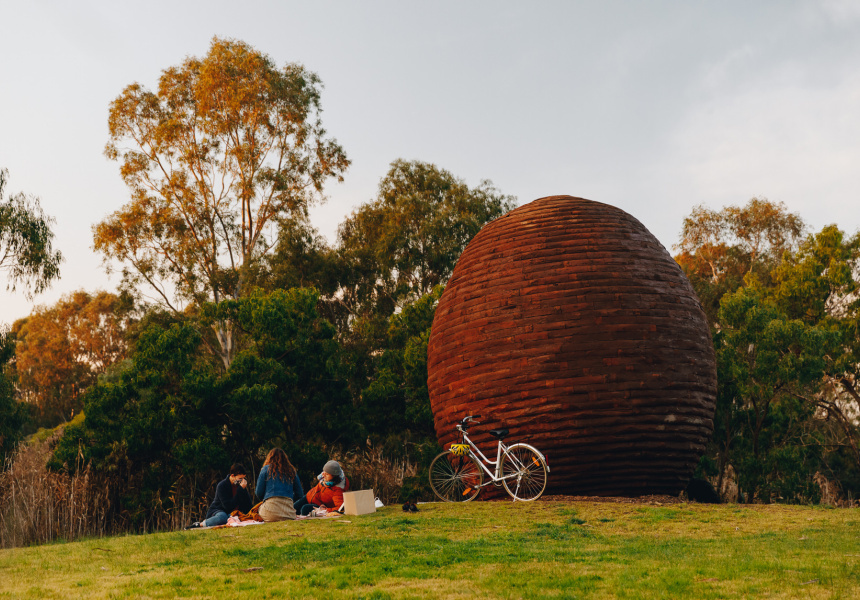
{"x": 784, "y": 311}
{"x": 314, "y": 370}
{"x": 321, "y": 358}
{"x": 238, "y": 327}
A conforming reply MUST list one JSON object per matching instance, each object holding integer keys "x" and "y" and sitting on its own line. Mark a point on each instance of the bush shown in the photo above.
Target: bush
{"x": 169, "y": 424}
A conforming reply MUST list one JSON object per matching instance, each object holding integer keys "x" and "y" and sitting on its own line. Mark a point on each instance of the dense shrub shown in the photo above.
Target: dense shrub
{"x": 169, "y": 423}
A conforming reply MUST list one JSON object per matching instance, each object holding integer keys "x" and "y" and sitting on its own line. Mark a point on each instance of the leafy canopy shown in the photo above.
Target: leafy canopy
{"x": 406, "y": 242}
{"x": 784, "y": 313}
{"x": 167, "y": 419}
{"x": 26, "y": 242}
{"x": 397, "y": 398}
{"x": 62, "y": 349}
{"x": 721, "y": 251}
{"x": 13, "y": 414}
{"x": 770, "y": 368}
{"x": 227, "y": 146}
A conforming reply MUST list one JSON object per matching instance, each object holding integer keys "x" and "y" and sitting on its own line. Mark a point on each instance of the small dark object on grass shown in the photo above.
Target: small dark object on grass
{"x": 252, "y": 569}
{"x": 409, "y": 507}
{"x": 700, "y": 490}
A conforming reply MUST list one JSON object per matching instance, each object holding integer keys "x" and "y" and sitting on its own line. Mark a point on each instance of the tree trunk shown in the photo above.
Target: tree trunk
{"x": 224, "y": 333}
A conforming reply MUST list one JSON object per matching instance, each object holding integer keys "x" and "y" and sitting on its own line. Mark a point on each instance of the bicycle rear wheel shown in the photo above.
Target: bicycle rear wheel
{"x": 524, "y": 472}
{"x": 455, "y": 478}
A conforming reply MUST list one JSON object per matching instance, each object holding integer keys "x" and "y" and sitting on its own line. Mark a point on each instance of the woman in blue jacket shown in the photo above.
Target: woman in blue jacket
{"x": 278, "y": 486}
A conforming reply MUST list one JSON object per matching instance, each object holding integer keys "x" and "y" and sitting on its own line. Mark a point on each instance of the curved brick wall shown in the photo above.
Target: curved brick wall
{"x": 569, "y": 323}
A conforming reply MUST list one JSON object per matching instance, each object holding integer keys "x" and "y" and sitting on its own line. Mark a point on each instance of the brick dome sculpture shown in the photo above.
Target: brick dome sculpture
{"x": 567, "y": 322}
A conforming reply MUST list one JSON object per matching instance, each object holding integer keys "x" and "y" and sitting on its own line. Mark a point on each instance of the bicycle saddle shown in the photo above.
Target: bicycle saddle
{"x": 499, "y": 433}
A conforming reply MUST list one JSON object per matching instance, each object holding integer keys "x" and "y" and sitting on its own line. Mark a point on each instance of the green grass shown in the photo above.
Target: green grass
{"x": 477, "y": 550}
{"x": 43, "y": 434}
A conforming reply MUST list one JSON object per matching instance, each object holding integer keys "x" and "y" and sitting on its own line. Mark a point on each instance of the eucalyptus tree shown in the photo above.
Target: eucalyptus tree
{"x": 61, "y": 350}
{"x": 771, "y": 369}
{"x": 227, "y": 146}
{"x": 29, "y": 260}
{"x": 819, "y": 285}
{"x": 788, "y": 351}
{"x": 26, "y": 242}
{"x": 395, "y": 252}
{"x": 402, "y": 244}
{"x": 723, "y": 250}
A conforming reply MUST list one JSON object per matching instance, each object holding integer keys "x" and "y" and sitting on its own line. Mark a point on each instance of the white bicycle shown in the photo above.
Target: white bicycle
{"x": 457, "y": 475}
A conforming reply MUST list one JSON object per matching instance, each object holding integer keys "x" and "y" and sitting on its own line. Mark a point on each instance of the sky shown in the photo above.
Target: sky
{"x": 652, "y": 107}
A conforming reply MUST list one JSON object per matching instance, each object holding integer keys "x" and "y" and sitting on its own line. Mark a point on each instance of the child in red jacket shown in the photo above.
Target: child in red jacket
{"x": 328, "y": 492}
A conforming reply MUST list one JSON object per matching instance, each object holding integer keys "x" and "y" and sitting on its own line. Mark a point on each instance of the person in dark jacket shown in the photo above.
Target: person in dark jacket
{"x": 230, "y": 494}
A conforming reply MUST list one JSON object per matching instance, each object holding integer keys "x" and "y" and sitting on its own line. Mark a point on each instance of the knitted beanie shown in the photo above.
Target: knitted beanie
{"x": 333, "y": 468}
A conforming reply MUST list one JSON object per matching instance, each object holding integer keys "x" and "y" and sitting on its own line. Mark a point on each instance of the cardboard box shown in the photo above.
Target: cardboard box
{"x": 361, "y": 502}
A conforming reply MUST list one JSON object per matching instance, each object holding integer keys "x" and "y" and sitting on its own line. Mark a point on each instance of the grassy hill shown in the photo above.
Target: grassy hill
{"x": 547, "y": 549}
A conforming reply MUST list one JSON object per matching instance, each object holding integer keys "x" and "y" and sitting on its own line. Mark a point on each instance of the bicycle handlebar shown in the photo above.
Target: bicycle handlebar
{"x": 464, "y": 424}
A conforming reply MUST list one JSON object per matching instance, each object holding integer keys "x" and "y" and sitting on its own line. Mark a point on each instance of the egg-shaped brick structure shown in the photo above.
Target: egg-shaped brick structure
{"x": 568, "y": 323}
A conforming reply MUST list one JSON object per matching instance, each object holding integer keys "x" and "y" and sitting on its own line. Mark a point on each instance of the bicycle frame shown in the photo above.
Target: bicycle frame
{"x": 521, "y": 468}
{"x": 481, "y": 459}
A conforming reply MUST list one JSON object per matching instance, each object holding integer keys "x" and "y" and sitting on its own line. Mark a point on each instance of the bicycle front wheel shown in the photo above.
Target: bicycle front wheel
{"x": 524, "y": 472}
{"x": 455, "y": 478}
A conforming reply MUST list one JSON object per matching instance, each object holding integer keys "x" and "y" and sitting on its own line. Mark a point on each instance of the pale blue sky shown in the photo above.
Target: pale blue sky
{"x": 652, "y": 107}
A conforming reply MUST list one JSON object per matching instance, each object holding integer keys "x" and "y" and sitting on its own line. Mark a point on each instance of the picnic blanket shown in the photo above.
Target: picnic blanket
{"x": 240, "y": 519}
{"x": 252, "y": 517}
{"x": 319, "y": 513}
{"x": 236, "y": 522}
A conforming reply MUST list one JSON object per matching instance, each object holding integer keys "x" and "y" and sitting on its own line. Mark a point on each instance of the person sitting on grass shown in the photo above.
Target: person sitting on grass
{"x": 230, "y": 494}
{"x": 278, "y": 486}
{"x": 327, "y": 493}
